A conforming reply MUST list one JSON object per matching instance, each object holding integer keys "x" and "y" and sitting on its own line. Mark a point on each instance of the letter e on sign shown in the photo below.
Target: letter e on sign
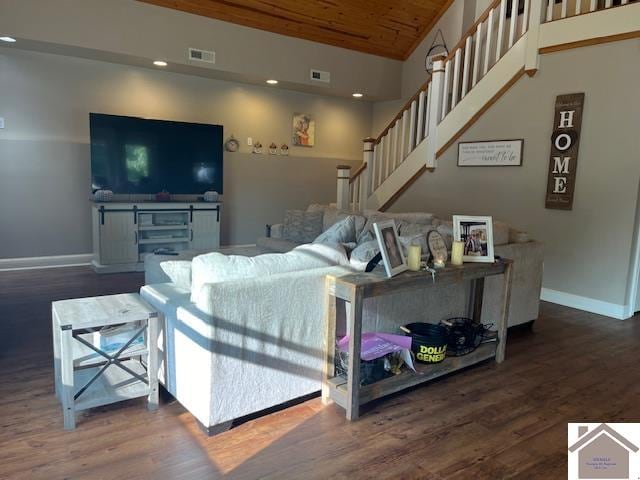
{"x": 563, "y": 158}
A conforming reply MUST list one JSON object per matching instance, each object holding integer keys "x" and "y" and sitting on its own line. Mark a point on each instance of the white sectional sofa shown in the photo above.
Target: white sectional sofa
{"x": 235, "y": 343}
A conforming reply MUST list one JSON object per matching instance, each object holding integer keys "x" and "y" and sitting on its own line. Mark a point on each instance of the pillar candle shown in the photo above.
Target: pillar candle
{"x": 413, "y": 257}
{"x": 457, "y": 249}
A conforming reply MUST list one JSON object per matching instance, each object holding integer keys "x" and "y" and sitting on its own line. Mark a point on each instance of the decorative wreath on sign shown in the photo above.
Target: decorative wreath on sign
{"x": 437, "y": 48}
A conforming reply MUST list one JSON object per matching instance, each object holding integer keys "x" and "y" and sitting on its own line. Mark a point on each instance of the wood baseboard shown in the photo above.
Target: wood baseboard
{"x": 55, "y": 261}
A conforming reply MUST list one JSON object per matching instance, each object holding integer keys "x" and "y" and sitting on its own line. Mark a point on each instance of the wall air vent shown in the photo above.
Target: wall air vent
{"x": 320, "y": 76}
{"x": 205, "y": 56}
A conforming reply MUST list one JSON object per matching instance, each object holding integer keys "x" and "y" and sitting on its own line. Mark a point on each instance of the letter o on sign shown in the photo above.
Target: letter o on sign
{"x": 564, "y": 140}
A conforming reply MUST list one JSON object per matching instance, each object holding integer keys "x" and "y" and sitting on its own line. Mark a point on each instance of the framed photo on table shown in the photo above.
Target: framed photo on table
{"x": 390, "y": 248}
{"x": 477, "y": 235}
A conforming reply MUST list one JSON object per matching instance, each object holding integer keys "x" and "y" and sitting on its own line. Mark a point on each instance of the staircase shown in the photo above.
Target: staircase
{"x": 494, "y": 54}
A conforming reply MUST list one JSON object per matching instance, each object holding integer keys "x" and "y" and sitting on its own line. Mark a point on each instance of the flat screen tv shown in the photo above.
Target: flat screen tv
{"x": 135, "y": 155}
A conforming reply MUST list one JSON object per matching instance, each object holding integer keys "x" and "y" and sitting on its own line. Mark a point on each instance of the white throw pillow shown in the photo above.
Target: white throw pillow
{"x": 216, "y": 267}
{"x": 343, "y": 231}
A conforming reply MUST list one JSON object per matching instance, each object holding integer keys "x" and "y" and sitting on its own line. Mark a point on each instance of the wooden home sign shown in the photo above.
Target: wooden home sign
{"x": 563, "y": 160}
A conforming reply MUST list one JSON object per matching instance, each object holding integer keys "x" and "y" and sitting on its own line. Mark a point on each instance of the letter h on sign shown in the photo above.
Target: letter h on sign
{"x": 563, "y": 161}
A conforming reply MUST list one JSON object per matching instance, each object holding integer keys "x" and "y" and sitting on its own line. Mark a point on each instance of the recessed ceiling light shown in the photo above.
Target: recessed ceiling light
{"x": 160, "y": 63}
{"x": 8, "y": 39}
{"x": 356, "y": 95}
{"x": 272, "y": 82}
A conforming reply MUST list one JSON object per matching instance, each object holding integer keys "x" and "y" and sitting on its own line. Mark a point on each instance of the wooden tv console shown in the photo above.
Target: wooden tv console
{"x": 125, "y": 232}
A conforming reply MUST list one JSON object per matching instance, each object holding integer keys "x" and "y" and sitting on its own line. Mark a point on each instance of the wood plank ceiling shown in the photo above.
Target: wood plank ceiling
{"x": 388, "y": 28}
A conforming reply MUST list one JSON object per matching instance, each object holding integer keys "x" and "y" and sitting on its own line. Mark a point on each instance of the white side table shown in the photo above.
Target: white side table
{"x": 85, "y": 375}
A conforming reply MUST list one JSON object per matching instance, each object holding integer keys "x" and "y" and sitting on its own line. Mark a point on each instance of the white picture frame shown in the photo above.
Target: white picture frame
{"x": 477, "y": 234}
{"x": 390, "y": 247}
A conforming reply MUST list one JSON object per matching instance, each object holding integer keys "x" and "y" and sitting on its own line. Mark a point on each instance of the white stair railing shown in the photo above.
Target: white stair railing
{"x": 488, "y": 39}
{"x": 454, "y": 77}
{"x": 557, "y": 10}
{"x": 403, "y": 134}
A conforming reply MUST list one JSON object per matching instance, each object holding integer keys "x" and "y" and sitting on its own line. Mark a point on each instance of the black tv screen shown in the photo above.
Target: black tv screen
{"x": 135, "y": 155}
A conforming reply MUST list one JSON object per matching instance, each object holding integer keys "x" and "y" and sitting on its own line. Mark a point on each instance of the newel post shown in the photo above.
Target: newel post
{"x": 343, "y": 200}
{"x": 531, "y": 55}
{"x": 435, "y": 109}
{"x": 365, "y": 176}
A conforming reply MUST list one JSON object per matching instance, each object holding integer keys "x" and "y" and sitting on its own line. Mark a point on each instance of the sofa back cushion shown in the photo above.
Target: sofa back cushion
{"x": 332, "y": 215}
{"x": 301, "y": 226}
{"x": 216, "y": 267}
{"x": 343, "y": 231}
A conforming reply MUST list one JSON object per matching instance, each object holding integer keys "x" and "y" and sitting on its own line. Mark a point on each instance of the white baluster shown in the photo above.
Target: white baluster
{"x": 593, "y": 5}
{"x": 397, "y": 158}
{"x": 487, "y": 52}
{"x": 466, "y": 69}
{"x": 368, "y": 155}
{"x": 513, "y": 26}
{"x": 434, "y": 101}
{"x": 372, "y": 168}
{"x": 456, "y": 78}
{"x": 624, "y": 2}
{"x": 550, "y": 10}
{"x": 445, "y": 89}
{"x": 563, "y": 10}
{"x": 344, "y": 174}
{"x": 476, "y": 57}
{"x": 388, "y": 166}
{"x": 383, "y": 158}
{"x": 501, "y": 19}
{"x": 578, "y": 7}
{"x": 608, "y": 3}
{"x": 420, "y": 128}
{"x": 427, "y": 113}
{"x": 525, "y": 17}
{"x": 412, "y": 126}
{"x": 403, "y": 139}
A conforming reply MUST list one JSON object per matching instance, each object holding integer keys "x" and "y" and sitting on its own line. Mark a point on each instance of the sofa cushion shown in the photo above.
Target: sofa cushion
{"x": 179, "y": 271}
{"x": 418, "y": 239}
{"x": 278, "y": 245}
{"x": 343, "y": 231}
{"x": 332, "y": 215}
{"x": 413, "y": 223}
{"x": 301, "y": 226}
{"x": 363, "y": 254}
{"x": 216, "y": 267}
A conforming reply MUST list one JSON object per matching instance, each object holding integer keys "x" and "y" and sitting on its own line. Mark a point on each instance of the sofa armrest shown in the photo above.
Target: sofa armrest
{"x": 266, "y": 331}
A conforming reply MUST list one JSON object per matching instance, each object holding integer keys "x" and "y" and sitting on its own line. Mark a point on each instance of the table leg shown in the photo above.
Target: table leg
{"x": 355, "y": 339}
{"x": 478, "y": 296}
{"x": 152, "y": 367}
{"x": 504, "y": 314}
{"x": 329, "y": 340}
{"x": 66, "y": 369}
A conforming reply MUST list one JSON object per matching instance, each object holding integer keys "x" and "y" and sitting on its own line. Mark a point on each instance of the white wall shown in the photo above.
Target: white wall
{"x": 44, "y": 151}
{"x": 587, "y": 249}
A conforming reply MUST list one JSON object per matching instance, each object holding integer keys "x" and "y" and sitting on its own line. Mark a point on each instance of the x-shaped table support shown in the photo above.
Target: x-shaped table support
{"x": 111, "y": 359}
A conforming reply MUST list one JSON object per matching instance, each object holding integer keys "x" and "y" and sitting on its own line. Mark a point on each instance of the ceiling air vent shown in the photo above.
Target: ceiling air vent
{"x": 205, "y": 56}
{"x": 320, "y": 76}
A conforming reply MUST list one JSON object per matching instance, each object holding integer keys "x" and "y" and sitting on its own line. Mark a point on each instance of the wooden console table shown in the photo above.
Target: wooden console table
{"x": 355, "y": 288}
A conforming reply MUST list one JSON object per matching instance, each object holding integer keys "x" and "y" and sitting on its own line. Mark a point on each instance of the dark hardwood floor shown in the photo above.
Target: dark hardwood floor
{"x": 490, "y": 421}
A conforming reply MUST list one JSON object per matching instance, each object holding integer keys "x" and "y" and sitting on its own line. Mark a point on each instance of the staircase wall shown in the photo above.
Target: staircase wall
{"x": 587, "y": 250}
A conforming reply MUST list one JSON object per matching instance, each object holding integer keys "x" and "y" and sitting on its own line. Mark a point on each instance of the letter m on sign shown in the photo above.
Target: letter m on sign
{"x": 563, "y": 158}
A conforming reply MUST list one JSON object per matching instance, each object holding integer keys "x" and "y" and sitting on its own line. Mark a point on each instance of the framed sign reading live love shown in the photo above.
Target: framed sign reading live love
{"x": 563, "y": 161}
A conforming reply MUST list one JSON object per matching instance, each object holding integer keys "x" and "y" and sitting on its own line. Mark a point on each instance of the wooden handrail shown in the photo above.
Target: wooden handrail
{"x": 406, "y": 106}
{"x": 472, "y": 30}
{"x": 358, "y": 172}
